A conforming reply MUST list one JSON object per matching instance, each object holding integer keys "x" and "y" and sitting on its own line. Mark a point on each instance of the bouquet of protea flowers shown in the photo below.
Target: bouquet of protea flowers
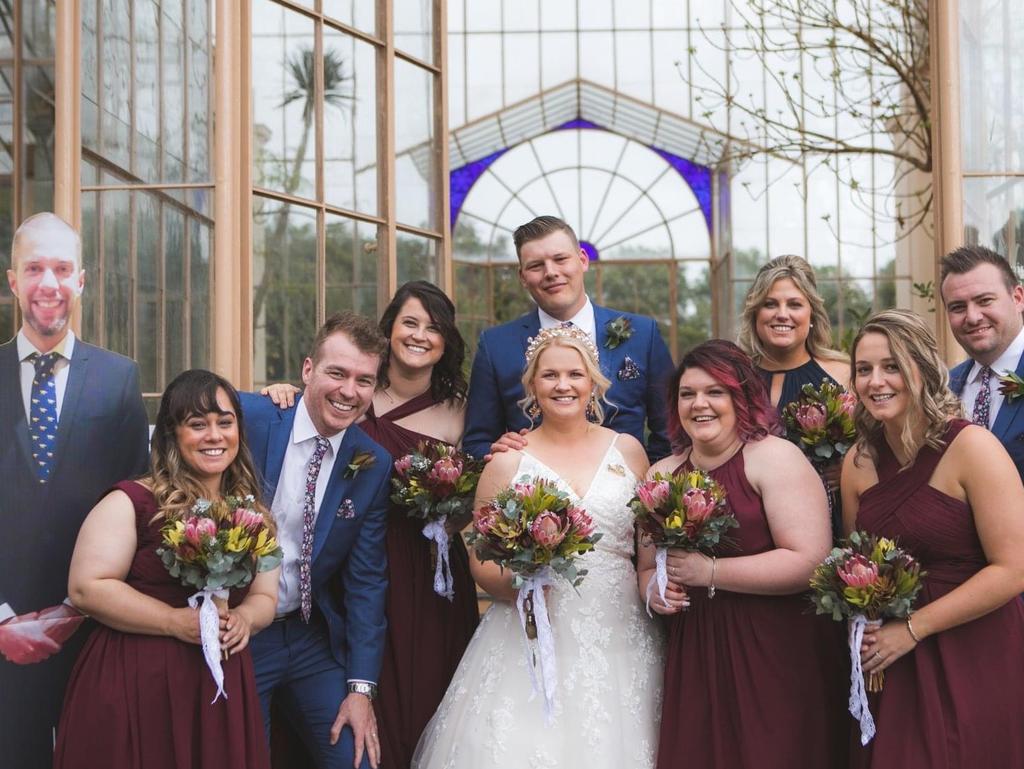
{"x": 215, "y": 547}
{"x": 687, "y": 511}
{"x": 533, "y": 529}
{"x": 820, "y": 422}
{"x": 436, "y": 482}
{"x": 866, "y": 581}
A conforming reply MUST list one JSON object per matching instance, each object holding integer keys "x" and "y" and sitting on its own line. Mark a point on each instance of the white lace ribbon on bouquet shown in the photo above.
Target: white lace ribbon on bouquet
{"x": 209, "y": 634}
{"x": 858, "y": 692}
{"x": 660, "y": 576}
{"x": 545, "y": 642}
{"x": 444, "y": 584}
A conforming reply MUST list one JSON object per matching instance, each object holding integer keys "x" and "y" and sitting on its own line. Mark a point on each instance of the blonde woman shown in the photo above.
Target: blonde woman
{"x": 786, "y": 331}
{"x": 608, "y": 652}
{"x": 949, "y": 492}
{"x": 141, "y": 694}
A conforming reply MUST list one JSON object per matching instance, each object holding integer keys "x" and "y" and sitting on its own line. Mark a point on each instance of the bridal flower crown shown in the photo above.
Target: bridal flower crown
{"x": 560, "y": 332}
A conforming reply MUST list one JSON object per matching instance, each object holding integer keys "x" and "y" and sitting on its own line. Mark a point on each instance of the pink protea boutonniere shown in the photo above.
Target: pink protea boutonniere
{"x": 617, "y": 331}
{"x": 361, "y": 460}
{"x": 1011, "y": 386}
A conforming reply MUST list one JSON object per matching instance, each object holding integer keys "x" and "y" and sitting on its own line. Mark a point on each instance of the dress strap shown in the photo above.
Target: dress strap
{"x": 422, "y": 401}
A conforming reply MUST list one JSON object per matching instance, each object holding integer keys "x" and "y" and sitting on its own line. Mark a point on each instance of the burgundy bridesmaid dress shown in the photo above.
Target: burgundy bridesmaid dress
{"x": 426, "y": 634}
{"x": 145, "y": 701}
{"x": 957, "y": 699}
{"x": 752, "y": 680}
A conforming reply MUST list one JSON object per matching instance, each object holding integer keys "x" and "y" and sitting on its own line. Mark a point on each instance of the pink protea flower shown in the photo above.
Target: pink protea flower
{"x": 524, "y": 489}
{"x": 811, "y": 416}
{"x": 196, "y": 528}
{"x": 698, "y": 505}
{"x": 446, "y": 470}
{"x": 402, "y": 465}
{"x": 247, "y": 519}
{"x": 580, "y": 520}
{"x": 547, "y": 530}
{"x": 653, "y": 494}
{"x": 484, "y": 518}
{"x": 847, "y": 401}
{"x": 858, "y": 571}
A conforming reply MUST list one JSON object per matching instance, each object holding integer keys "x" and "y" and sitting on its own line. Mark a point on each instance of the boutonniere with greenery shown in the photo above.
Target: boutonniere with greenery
{"x": 361, "y": 460}
{"x": 1011, "y": 386}
{"x": 618, "y": 331}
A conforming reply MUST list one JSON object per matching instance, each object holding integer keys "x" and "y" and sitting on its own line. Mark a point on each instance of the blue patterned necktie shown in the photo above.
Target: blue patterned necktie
{"x": 983, "y": 403}
{"x": 308, "y": 522}
{"x": 42, "y": 423}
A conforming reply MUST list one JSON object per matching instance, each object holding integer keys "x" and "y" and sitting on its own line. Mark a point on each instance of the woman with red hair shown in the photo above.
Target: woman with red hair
{"x": 751, "y": 678}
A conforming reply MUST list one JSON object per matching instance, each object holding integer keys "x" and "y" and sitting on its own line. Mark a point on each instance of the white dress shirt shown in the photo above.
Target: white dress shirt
{"x": 60, "y": 369}
{"x": 290, "y": 497}
{"x": 584, "y": 319}
{"x": 972, "y": 386}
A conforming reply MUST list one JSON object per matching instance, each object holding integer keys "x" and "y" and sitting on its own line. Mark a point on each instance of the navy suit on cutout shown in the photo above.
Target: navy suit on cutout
{"x": 1009, "y": 424}
{"x": 636, "y": 396}
{"x": 102, "y": 438}
{"x": 348, "y": 582}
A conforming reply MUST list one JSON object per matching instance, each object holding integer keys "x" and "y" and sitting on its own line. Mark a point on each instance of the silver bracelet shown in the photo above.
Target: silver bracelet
{"x": 711, "y": 585}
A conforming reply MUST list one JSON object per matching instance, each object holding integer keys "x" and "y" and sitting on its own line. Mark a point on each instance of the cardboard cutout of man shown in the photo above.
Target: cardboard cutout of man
{"x": 73, "y": 423}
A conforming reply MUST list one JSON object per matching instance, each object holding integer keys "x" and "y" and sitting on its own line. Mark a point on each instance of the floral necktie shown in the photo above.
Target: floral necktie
{"x": 308, "y": 521}
{"x": 983, "y": 403}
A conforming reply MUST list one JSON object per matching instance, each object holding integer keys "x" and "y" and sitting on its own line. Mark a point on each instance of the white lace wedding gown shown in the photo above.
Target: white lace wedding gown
{"x": 610, "y": 658}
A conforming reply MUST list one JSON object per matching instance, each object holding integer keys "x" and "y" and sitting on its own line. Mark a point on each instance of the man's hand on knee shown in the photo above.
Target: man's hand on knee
{"x": 356, "y": 712}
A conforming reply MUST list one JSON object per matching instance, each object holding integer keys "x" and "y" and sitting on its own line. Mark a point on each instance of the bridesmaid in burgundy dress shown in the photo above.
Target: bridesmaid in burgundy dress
{"x": 420, "y": 396}
{"x": 752, "y": 677}
{"x": 140, "y": 694}
{"x": 949, "y": 492}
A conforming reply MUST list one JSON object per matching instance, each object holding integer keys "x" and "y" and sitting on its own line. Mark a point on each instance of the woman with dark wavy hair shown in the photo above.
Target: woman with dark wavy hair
{"x": 751, "y": 677}
{"x": 140, "y": 693}
{"x": 949, "y": 492}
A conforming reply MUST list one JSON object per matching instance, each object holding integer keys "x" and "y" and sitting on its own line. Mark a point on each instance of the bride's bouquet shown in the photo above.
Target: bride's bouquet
{"x": 435, "y": 483}
{"x": 686, "y": 511}
{"x": 217, "y": 546}
{"x": 533, "y": 529}
{"x": 865, "y": 582}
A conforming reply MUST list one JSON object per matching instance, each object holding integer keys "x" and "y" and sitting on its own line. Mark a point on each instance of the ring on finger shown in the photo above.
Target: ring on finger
{"x": 879, "y": 656}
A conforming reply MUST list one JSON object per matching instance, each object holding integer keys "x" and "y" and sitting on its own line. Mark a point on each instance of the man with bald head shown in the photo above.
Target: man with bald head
{"x": 72, "y": 423}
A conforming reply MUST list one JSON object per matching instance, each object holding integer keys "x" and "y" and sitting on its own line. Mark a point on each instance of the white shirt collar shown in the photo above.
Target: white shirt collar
{"x": 584, "y": 319}
{"x": 303, "y": 429}
{"x": 1006, "y": 362}
{"x": 65, "y": 349}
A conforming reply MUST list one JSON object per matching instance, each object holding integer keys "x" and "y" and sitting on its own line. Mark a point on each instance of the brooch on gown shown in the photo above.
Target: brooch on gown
{"x": 617, "y": 469}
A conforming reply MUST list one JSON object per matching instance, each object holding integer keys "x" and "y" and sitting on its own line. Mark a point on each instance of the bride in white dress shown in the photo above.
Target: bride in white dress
{"x": 609, "y": 652}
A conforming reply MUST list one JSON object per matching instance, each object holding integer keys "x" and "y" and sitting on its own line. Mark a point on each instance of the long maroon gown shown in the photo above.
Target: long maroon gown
{"x": 752, "y": 680}
{"x": 145, "y": 701}
{"x": 427, "y": 634}
{"x": 957, "y": 699}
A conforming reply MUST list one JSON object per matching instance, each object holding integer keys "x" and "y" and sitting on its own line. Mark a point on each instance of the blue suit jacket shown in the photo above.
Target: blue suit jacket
{"x": 349, "y": 564}
{"x": 1009, "y": 424}
{"x": 495, "y": 385}
{"x": 102, "y": 438}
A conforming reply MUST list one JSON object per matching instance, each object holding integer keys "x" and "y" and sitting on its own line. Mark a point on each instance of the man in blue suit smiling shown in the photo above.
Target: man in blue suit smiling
{"x": 984, "y": 301}
{"x": 633, "y": 355}
{"x": 328, "y": 485}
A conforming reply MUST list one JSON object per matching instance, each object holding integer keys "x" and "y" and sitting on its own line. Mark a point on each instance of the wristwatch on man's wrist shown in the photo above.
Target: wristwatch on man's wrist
{"x": 364, "y": 688}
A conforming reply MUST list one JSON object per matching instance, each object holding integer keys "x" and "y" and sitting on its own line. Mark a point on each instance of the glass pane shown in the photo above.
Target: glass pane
{"x": 201, "y": 237}
{"x": 994, "y": 215}
{"x": 992, "y": 114}
{"x": 115, "y": 88}
{"x": 146, "y": 79}
{"x": 116, "y": 273}
{"x": 350, "y": 122}
{"x": 417, "y": 258}
{"x": 415, "y": 146}
{"x": 7, "y": 216}
{"x": 173, "y": 86}
{"x": 414, "y": 20}
{"x": 92, "y": 294}
{"x": 37, "y": 23}
{"x": 200, "y": 77}
{"x": 175, "y": 264}
{"x": 643, "y": 289}
{"x": 284, "y": 100}
{"x": 6, "y": 31}
{"x": 360, "y": 14}
{"x": 148, "y": 259}
{"x": 509, "y": 299}
{"x": 90, "y": 77}
{"x": 693, "y": 306}
{"x": 352, "y": 248}
{"x": 284, "y": 289}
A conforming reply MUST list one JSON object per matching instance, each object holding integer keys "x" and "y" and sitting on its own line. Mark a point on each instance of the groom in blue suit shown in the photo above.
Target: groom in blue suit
{"x": 984, "y": 301}
{"x": 633, "y": 355}
{"x": 327, "y": 484}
